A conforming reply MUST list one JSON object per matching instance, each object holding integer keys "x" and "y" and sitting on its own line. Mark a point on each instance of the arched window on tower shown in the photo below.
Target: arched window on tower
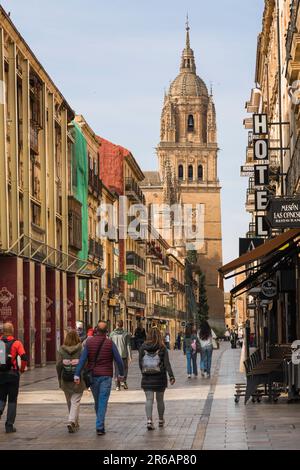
{"x": 200, "y": 173}
{"x": 180, "y": 173}
{"x": 191, "y": 123}
{"x": 191, "y": 173}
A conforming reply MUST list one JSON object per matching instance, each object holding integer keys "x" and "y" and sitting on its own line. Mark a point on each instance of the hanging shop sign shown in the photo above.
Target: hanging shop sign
{"x": 284, "y": 213}
{"x": 261, "y": 171}
{"x": 247, "y": 170}
{"x": 261, "y": 175}
{"x": 261, "y": 200}
{"x": 269, "y": 289}
{"x": 262, "y": 227}
{"x": 249, "y": 244}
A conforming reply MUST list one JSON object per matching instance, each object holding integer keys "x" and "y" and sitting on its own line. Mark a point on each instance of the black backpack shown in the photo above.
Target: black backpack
{"x": 5, "y": 354}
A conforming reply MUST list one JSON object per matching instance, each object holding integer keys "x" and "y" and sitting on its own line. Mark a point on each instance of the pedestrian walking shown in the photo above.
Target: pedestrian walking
{"x": 167, "y": 340}
{"x": 139, "y": 336}
{"x": 206, "y": 343}
{"x": 11, "y": 350}
{"x": 67, "y": 361}
{"x": 99, "y": 354}
{"x": 191, "y": 347}
{"x": 155, "y": 365}
{"x": 178, "y": 341}
{"x": 121, "y": 339}
{"x": 80, "y": 331}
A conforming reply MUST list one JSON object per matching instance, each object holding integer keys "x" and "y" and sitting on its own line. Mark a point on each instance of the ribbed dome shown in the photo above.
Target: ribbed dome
{"x": 188, "y": 84}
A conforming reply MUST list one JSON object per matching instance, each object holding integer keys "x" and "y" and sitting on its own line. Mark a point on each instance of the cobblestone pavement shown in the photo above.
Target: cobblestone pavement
{"x": 200, "y": 414}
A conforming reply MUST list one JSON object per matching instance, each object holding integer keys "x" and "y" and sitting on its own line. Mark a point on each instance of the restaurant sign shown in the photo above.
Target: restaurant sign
{"x": 284, "y": 213}
{"x": 269, "y": 289}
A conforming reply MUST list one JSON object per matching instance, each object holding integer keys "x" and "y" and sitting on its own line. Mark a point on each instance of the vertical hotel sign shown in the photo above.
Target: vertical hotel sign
{"x": 261, "y": 172}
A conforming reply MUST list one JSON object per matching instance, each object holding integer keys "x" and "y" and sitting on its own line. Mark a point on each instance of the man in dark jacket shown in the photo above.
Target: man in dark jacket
{"x": 99, "y": 354}
{"x": 10, "y": 379}
{"x": 139, "y": 336}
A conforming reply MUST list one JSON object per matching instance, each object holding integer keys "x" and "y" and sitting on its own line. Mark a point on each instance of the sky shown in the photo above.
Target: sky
{"x": 112, "y": 61}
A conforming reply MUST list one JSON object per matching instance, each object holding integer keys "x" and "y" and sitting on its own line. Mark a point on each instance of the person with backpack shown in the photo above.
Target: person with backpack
{"x": 121, "y": 339}
{"x": 68, "y": 359}
{"x": 98, "y": 357}
{"x": 191, "y": 347}
{"x": 207, "y": 337}
{"x": 139, "y": 336}
{"x": 154, "y": 364}
{"x": 10, "y": 350}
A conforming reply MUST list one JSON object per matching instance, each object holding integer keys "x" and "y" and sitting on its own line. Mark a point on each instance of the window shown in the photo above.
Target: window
{"x": 191, "y": 123}
{"x": 200, "y": 172}
{"x": 180, "y": 172}
{"x": 191, "y": 173}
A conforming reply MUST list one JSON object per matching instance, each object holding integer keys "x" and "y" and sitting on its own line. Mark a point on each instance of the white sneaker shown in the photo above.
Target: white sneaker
{"x": 189, "y": 376}
{"x": 205, "y": 375}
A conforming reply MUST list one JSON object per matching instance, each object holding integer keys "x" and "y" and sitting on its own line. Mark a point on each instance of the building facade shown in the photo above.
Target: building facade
{"x": 37, "y": 282}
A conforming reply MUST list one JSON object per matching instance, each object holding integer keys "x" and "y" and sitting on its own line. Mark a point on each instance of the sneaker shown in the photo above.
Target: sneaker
{"x": 161, "y": 423}
{"x": 71, "y": 428}
{"x": 150, "y": 425}
{"x": 100, "y": 432}
{"x": 202, "y": 374}
{"x": 205, "y": 375}
{"x": 10, "y": 429}
{"x": 189, "y": 376}
{"x": 125, "y": 386}
{"x": 118, "y": 389}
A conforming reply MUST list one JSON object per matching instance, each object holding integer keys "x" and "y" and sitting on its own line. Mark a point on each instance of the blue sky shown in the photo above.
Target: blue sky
{"x": 113, "y": 59}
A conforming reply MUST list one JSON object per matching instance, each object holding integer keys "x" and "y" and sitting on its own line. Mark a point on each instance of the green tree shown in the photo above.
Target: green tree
{"x": 203, "y": 311}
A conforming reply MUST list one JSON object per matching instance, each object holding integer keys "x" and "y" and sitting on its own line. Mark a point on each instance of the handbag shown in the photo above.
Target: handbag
{"x": 88, "y": 373}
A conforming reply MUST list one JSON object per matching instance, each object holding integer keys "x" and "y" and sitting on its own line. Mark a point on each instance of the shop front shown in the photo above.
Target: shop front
{"x": 271, "y": 287}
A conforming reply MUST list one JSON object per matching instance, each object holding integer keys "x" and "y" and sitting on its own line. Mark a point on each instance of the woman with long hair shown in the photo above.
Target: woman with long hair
{"x": 191, "y": 347}
{"x": 154, "y": 364}
{"x": 68, "y": 359}
{"x": 206, "y": 342}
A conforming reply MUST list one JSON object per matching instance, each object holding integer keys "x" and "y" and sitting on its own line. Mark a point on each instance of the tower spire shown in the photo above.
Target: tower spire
{"x": 187, "y": 27}
{"x": 187, "y": 58}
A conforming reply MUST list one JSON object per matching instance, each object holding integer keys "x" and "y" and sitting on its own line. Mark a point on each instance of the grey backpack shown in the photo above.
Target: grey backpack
{"x": 151, "y": 363}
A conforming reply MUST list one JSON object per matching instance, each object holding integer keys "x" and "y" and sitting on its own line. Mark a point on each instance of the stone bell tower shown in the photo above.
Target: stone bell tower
{"x": 188, "y": 151}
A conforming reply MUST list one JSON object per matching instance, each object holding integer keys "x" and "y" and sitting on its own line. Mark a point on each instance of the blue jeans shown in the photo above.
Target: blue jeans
{"x": 206, "y": 357}
{"x": 101, "y": 388}
{"x": 191, "y": 362}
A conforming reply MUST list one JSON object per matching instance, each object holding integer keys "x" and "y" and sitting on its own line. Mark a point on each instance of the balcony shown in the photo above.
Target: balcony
{"x": 133, "y": 191}
{"x": 158, "y": 311}
{"x": 177, "y": 286}
{"x": 135, "y": 263}
{"x": 95, "y": 249}
{"x": 154, "y": 252}
{"x": 166, "y": 264}
{"x": 136, "y": 298}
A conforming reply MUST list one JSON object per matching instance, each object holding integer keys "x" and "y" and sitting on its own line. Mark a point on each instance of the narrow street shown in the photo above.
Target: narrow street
{"x": 199, "y": 415}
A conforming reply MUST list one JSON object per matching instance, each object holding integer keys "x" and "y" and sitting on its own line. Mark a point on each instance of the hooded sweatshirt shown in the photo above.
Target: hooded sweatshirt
{"x": 69, "y": 353}
{"x": 122, "y": 341}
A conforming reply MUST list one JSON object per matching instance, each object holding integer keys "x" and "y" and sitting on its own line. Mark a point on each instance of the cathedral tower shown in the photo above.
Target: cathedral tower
{"x": 188, "y": 154}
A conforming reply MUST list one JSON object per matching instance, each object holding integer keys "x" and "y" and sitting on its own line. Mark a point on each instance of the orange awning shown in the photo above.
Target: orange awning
{"x": 271, "y": 246}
